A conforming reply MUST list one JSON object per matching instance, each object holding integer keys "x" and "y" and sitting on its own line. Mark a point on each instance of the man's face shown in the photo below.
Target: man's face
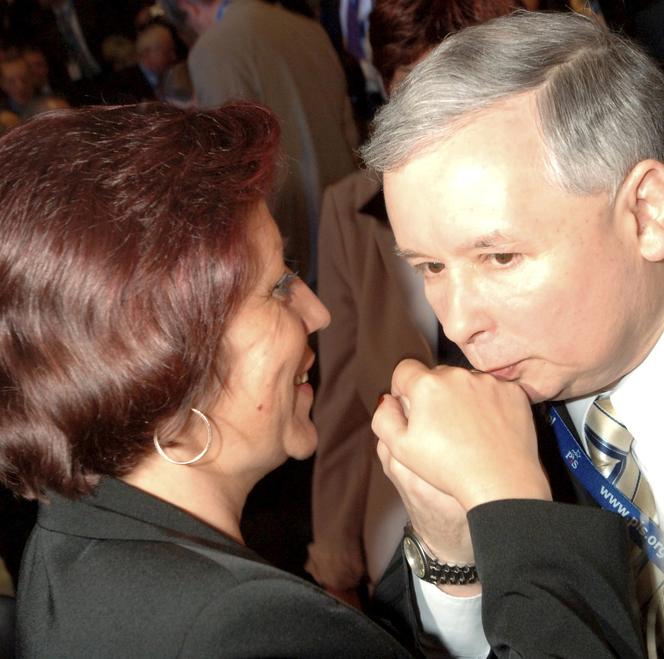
{"x": 16, "y": 81}
{"x": 535, "y": 284}
{"x": 38, "y": 67}
{"x": 156, "y": 49}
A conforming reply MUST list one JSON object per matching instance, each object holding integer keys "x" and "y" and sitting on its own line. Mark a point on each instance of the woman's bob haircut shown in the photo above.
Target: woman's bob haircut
{"x": 124, "y": 252}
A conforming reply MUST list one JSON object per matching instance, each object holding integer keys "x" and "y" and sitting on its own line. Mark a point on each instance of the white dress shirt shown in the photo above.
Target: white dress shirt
{"x": 637, "y": 400}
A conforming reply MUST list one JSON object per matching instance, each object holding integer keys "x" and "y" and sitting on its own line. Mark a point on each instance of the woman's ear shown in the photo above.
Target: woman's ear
{"x": 644, "y": 188}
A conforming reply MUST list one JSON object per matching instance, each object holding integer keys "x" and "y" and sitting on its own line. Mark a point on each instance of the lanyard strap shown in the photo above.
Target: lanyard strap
{"x": 642, "y": 529}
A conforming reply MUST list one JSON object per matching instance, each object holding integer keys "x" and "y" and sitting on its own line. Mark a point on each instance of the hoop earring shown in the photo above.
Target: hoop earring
{"x": 193, "y": 460}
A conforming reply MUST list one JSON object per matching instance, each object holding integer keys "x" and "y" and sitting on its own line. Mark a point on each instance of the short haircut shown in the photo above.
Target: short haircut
{"x": 599, "y": 97}
{"x": 124, "y": 253}
{"x": 401, "y": 31}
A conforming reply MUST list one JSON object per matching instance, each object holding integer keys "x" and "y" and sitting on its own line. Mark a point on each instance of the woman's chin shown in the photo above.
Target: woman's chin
{"x": 303, "y": 441}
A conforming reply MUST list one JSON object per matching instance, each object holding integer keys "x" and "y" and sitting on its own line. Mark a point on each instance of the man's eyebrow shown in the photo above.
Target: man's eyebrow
{"x": 489, "y": 240}
{"x": 407, "y": 253}
{"x": 481, "y": 242}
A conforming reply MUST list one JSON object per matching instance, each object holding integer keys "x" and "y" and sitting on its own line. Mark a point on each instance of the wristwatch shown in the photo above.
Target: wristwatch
{"x": 426, "y": 567}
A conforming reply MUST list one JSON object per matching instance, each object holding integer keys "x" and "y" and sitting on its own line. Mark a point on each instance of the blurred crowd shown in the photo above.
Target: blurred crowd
{"x": 59, "y": 53}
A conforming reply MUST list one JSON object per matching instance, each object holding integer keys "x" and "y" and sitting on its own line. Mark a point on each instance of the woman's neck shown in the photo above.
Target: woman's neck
{"x": 214, "y": 499}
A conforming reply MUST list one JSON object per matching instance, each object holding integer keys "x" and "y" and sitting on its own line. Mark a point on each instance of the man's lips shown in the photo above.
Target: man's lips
{"x": 509, "y": 372}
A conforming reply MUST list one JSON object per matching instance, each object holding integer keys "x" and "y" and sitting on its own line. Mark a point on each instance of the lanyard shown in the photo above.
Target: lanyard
{"x": 642, "y": 530}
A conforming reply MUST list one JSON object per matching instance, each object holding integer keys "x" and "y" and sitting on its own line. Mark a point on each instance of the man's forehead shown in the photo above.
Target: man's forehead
{"x": 505, "y": 127}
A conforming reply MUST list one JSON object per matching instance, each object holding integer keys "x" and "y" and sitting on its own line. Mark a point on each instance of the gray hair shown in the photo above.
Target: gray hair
{"x": 175, "y": 15}
{"x": 600, "y": 99}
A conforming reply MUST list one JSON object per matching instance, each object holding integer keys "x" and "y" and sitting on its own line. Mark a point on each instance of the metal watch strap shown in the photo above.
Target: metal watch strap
{"x": 445, "y": 573}
{"x": 441, "y": 573}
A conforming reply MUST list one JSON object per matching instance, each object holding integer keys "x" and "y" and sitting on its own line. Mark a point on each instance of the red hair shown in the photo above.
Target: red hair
{"x": 124, "y": 252}
{"x": 401, "y": 31}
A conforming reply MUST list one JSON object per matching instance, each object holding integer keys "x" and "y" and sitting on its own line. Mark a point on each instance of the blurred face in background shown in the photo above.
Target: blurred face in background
{"x": 16, "y": 81}
{"x": 155, "y": 49}
{"x": 38, "y": 67}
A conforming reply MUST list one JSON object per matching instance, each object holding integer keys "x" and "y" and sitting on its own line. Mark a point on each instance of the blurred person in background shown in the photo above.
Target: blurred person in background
{"x": 144, "y": 79}
{"x": 17, "y": 83}
{"x": 255, "y": 50}
{"x": 39, "y": 69}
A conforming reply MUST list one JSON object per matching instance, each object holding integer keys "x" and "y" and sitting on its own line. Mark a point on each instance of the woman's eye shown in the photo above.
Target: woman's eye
{"x": 282, "y": 289}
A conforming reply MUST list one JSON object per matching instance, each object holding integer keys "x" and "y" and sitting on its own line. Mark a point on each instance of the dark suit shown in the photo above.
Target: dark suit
{"x": 124, "y": 574}
{"x": 128, "y": 86}
{"x": 554, "y": 577}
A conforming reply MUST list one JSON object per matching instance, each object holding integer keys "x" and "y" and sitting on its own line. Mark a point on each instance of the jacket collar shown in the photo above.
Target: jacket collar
{"x": 376, "y": 207}
{"x": 118, "y": 511}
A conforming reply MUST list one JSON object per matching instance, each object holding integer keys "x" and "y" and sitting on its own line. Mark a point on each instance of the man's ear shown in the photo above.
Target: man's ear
{"x": 643, "y": 188}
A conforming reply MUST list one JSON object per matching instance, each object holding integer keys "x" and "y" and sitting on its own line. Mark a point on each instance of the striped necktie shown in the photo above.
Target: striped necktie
{"x": 610, "y": 447}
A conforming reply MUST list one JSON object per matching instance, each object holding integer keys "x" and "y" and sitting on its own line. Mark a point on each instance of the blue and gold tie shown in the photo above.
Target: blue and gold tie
{"x": 610, "y": 446}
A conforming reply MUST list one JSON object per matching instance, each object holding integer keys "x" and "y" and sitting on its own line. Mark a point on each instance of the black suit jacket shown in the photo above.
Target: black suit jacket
{"x": 122, "y": 574}
{"x": 555, "y": 576}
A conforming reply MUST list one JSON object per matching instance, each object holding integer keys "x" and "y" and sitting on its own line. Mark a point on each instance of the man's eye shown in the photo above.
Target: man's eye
{"x": 282, "y": 289}
{"x": 430, "y": 268}
{"x": 503, "y": 258}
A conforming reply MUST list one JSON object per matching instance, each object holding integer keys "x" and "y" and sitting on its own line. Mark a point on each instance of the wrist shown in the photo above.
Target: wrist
{"x": 534, "y": 485}
{"x": 425, "y": 565}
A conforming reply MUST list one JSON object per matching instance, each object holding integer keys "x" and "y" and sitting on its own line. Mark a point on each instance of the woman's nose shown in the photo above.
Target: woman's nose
{"x": 313, "y": 312}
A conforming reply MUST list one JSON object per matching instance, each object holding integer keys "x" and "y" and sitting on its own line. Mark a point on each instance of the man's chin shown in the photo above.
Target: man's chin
{"x": 538, "y": 394}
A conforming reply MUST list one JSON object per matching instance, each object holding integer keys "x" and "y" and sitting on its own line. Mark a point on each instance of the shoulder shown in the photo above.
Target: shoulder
{"x": 280, "y": 615}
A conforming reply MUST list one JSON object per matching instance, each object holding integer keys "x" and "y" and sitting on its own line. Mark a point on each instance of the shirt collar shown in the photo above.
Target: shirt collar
{"x": 637, "y": 400}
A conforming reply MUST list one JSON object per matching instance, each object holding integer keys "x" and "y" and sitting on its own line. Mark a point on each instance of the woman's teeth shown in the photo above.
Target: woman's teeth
{"x": 301, "y": 379}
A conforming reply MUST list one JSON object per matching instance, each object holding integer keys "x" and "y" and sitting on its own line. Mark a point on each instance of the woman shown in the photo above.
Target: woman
{"x": 154, "y": 367}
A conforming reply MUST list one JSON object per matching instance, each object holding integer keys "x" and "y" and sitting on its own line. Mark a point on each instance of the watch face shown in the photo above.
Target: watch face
{"x": 414, "y": 557}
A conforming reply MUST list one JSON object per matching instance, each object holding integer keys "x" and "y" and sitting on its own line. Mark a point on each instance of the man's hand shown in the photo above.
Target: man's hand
{"x": 468, "y": 434}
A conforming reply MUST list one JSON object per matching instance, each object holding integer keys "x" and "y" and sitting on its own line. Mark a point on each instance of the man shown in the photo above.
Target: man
{"x": 17, "y": 83}
{"x": 253, "y": 50}
{"x": 144, "y": 81}
{"x": 155, "y": 52}
{"x": 524, "y": 178}
{"x": 39, "y": 69}
{"x": 71, "y": 34}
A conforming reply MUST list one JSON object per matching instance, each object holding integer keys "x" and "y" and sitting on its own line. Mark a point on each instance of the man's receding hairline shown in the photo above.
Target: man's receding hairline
{"x": 428, "y": 144}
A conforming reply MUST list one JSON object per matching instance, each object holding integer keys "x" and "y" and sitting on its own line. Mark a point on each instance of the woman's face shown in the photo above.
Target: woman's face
{"x": 266, "y": 400}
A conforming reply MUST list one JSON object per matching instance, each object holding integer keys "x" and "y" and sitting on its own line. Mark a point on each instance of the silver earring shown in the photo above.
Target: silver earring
{"x": 200, "y": 456}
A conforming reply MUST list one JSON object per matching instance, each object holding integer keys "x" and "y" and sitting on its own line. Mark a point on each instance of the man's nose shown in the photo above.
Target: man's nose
{"x": 460, "y": 308}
